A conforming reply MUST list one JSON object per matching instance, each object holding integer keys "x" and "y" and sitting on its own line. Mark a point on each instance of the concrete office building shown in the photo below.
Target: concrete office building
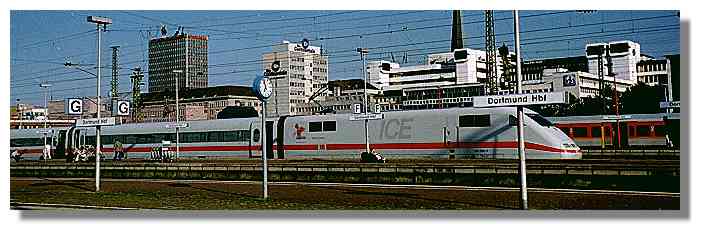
{"x": 462, "y": 66}
{"x": 167, "y": 54}
{"x": 653, "y": 71}
{"x": 579, "y": 84}
{"x": 298, "y": 71}
{"x": 624, "y": 55}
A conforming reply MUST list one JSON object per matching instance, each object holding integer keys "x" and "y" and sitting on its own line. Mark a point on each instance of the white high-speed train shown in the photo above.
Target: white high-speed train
{"x": 447, "y": 133}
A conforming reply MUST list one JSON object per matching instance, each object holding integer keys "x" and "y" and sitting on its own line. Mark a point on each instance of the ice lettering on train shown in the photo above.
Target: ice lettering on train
{"x": 396, "y": 128}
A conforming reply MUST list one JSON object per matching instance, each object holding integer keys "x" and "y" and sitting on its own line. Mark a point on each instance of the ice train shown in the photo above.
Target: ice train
{"x": 446, "y": 133}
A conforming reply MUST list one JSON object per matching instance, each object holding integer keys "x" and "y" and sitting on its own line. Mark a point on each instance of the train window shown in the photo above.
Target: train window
{"x": 329, "y": 126}
{"x": 255, "y": 136}
{"x": 474, "y": 120}
{"x": 244, "y": 135}
{"x": 194, "y": 137}
{"x": 566, "y": 130}
{"x": 512, "y": 120}
{"x": 660, "y": 130}
{"x": 315, "y": 126}
{"x": 643, "y": 130}
{"x": 90, "y": 140}
{"x": 580, "y": 131}
{"x": 130, "y": 139}
{"x": 233, "y": 136}
{"x": 595, "y": 132}
{"x": 632, "y": 131}
{"x": 144, "y": 139}
{"x": 120, "y": 138}
{"x": 216, "y": 136}
{"x": 230, "y": 136}
{"x": 106, "y": 139}
{"x": 539, "y": 119}
{"x": 22, "y": 142}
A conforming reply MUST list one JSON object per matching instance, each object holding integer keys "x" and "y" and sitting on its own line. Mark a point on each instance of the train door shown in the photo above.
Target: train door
{"x": 70, "y": 142}
{"x": 255, "y": 135}
{"x": 280, "y": 137}
{"x": 269, "y": 137}
{"x": 81, "y": 137}
{"x": 60, "y": 144}
{"x": 450, "y": 139}
{"x": 620, "y": 137}
{"x": 76, "y": 138}
{"x": 624, "y": 135}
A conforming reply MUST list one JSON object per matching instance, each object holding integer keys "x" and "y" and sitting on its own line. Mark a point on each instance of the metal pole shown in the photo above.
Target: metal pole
{"x": 177, "y": 99}
{"x": 669, "y": 94}
{"x": 264, "y": 150}
{"x": 177, "y": 116}
{"x": 46, "y": 117}
{"x": 520, "y": 117}
{"x": 615, "y": 96}
{"x": 363, "y": 51}
{"x": 187, "y": 62}
{"x": 97, "y": 128}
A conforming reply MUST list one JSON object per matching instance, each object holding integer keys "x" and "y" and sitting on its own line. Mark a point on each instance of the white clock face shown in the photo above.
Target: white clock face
{"x": 265, "y": 88}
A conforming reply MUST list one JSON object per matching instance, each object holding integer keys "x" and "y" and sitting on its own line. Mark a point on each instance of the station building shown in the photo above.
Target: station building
{"x": 27, "y": 116}
{"x": 196, "y": 104}
{"x": 579, "y": 84}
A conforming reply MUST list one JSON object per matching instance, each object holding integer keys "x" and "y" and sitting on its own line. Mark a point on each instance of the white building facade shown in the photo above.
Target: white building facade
{"x": 624, "y": 56}
{"x": 297, "y": 70}
{"x": 579, "y": 84}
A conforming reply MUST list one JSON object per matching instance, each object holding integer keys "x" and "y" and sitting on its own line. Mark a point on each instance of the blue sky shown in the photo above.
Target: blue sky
{"x": 41, "y": 41}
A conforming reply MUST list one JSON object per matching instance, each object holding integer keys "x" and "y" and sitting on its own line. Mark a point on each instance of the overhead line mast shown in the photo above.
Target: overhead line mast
{"x": 490, "y": 52}
{"x": 114, "y": 82}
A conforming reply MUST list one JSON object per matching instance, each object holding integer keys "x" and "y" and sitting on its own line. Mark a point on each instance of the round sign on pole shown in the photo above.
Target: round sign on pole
{"x": 276, "y": 65}
{"x": 305, "y": 43}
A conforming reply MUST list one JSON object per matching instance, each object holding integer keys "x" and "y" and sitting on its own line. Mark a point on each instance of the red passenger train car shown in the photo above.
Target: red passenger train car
{"x": 624, "y": 131}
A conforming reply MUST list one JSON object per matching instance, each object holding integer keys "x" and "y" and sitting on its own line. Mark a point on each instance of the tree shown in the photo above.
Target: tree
{"x": 642, "y": 98}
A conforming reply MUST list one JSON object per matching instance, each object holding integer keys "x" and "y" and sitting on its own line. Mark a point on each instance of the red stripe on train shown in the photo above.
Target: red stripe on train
{"x": 312, "y": 147}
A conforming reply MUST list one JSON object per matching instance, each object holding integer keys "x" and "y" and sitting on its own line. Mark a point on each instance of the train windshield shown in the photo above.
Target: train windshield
{"x": 539, "y": 119}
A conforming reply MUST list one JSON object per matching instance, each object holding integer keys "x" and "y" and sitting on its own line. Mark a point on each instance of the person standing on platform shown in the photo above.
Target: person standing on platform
{"x": 119, "y": 155}
{"x": 47, "y": 152}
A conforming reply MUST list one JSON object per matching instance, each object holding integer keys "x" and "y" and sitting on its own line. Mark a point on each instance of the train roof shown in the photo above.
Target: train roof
{"x": 201, "y": 125}
{"x": 458, "y": 110}
{"x": 32, "y": 133}
{"x": 609, "y": 118}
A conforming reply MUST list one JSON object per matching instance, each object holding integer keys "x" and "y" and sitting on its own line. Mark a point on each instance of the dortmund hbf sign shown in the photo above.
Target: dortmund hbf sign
{"x": 519, "y": 99}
